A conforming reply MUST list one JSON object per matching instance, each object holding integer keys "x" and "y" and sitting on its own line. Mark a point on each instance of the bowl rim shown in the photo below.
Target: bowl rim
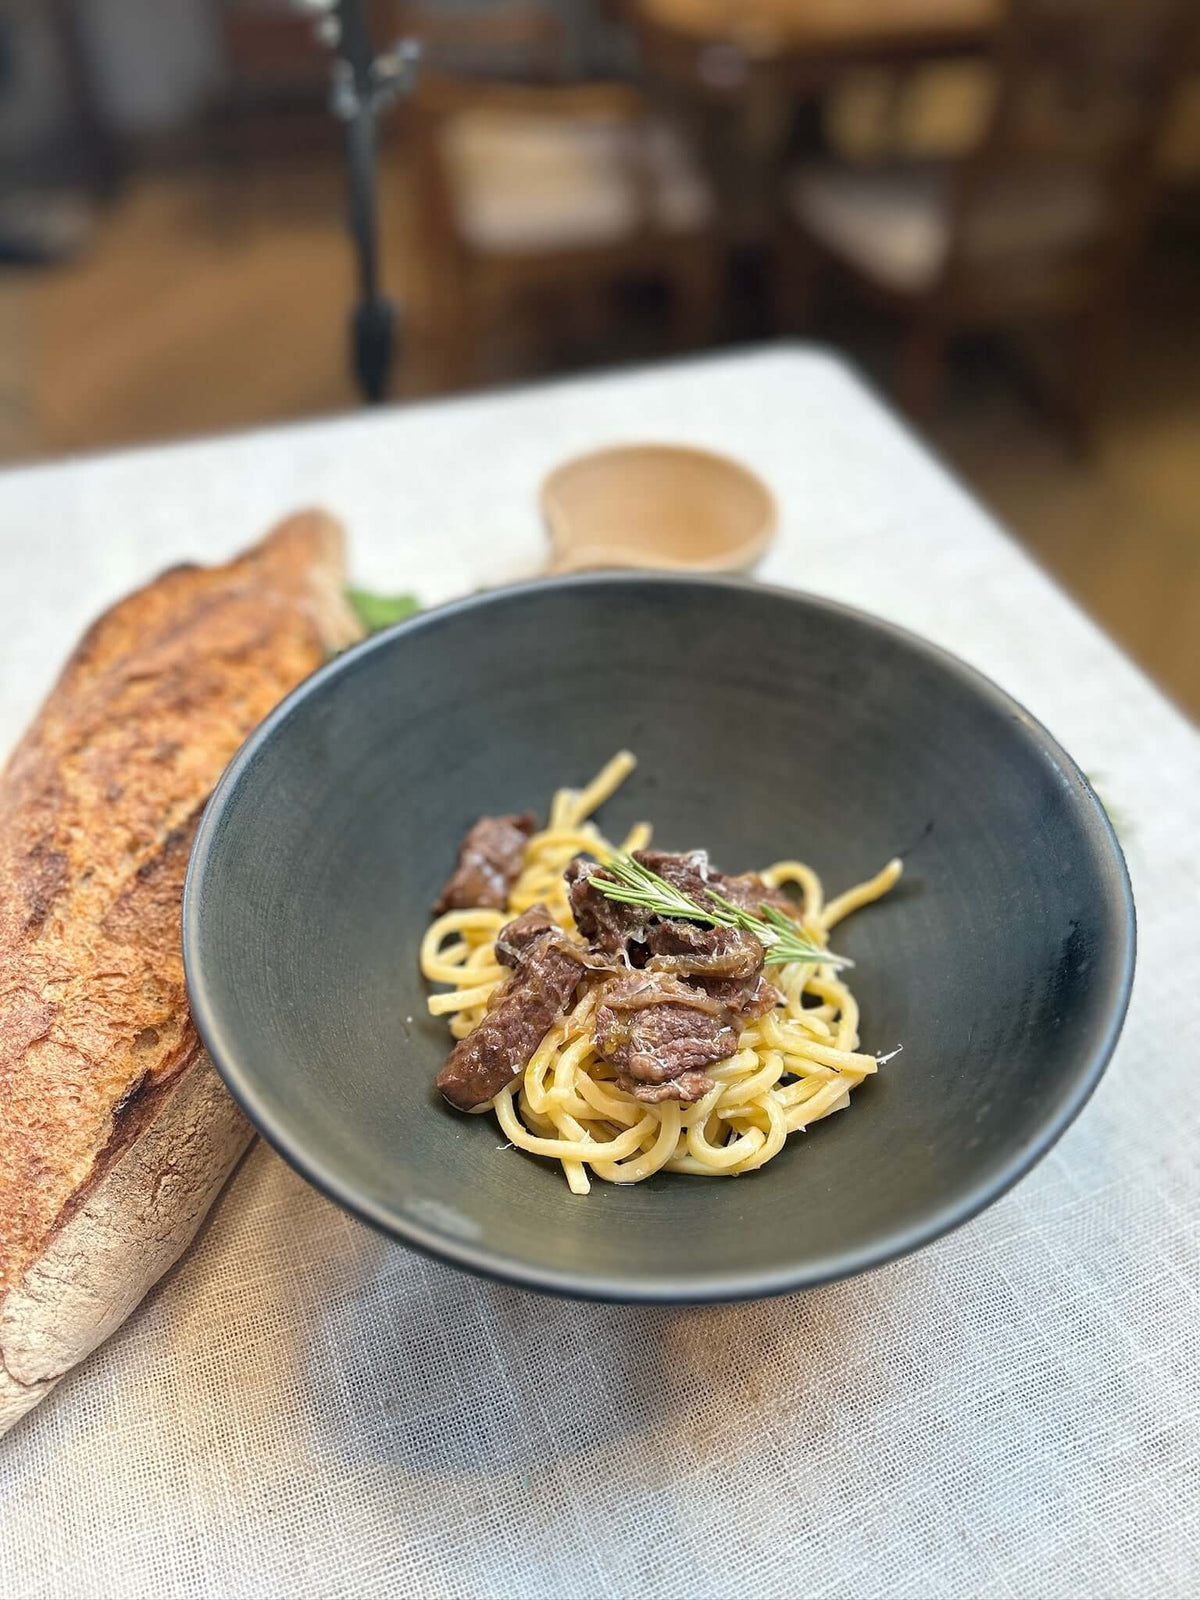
{"x": 696, "y": 1288}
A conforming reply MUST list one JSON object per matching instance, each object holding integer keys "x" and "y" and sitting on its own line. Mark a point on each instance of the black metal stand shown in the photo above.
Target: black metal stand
{"x": 363, "y": 86}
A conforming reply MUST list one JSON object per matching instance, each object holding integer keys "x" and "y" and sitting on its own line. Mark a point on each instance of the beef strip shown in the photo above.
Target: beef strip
{"x": 691, "y": 950}
{"x": 727, "y": 969}
{"x": 745, "y": 999}
{"x": 662, "y": 1029}
{"x": 693, "y": 875}
{"x": 516, "y": 936}
{"x": 536, "y": 995}
{"x": 489, "y": 862}
{"x": 749, "y": 892}
{"x": 606, "y": 924}
{"x": 688, "y": 1086}
{"x": 659, "y": 1030}
{"x": 688, "y": 871}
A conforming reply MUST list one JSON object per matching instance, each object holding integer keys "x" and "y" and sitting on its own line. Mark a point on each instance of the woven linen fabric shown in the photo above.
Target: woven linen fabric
{"x": 306, "y": 1408}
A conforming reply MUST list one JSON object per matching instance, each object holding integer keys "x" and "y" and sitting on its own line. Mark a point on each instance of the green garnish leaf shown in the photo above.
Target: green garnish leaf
{"x": 1121, "y": 824}
{"x": 783, "y": 941}
{"x": 376, "y": 611}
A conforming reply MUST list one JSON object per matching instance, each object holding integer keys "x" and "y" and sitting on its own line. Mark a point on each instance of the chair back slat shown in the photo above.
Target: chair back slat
{"x": 1060, "y": 187}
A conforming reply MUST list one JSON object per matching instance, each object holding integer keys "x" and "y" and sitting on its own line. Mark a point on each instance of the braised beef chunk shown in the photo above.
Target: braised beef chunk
{"x": 534, "y": 998}
{"x": 745, "y": 999}
{"x": 516, "y": 936}
{"x": 656, "y": 1028}
{"x": 694, "y": 874}
{"x": 688, "y": 1086}
{"x": 725, "y": 962}
{"x": 604, "y": 923}
{"x": 692, "y": 950}
{"x": 749, "y": 893}
{"x": 690, "y": 873}
{"x": 489, "y": 862}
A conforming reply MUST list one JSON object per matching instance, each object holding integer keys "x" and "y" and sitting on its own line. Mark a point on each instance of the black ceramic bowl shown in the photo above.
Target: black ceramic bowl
{"x": 768, "y": 725}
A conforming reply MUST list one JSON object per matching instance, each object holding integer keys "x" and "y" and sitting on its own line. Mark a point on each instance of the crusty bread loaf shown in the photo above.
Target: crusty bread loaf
{"x": 115, "y": 1131}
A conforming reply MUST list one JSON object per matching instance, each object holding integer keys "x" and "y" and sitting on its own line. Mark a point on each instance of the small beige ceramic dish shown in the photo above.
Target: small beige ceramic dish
{"x": 663, "y": 506}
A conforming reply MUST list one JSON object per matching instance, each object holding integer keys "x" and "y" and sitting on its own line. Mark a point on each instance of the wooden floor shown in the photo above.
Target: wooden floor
{"x": 186, "y": 317}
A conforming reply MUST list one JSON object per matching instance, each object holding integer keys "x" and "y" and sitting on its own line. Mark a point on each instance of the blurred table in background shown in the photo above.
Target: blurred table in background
{"x": 746, "y": 65}
{"x": 812, "y": 33}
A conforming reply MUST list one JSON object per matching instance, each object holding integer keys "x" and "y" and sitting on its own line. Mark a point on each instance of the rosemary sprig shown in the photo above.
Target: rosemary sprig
{"x": 632, "y": 884}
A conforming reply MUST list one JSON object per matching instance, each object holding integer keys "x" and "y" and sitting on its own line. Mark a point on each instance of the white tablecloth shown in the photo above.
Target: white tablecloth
{"x": 304, "y": 1408}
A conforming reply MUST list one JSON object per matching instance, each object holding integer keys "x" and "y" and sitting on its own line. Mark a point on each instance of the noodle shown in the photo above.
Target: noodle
{"x": 793, "y": 1066}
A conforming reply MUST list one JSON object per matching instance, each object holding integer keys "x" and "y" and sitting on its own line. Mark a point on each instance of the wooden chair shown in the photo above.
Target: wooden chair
{"x": 530, "y": 187}
{"x": 1041, "y": 225}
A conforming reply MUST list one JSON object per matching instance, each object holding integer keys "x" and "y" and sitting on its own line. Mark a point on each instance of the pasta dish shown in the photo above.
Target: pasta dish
{"x": 626, "y": 1011}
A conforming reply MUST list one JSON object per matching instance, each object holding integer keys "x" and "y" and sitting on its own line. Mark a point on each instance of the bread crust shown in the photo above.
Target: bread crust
{"x": 115, "y": 1132}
